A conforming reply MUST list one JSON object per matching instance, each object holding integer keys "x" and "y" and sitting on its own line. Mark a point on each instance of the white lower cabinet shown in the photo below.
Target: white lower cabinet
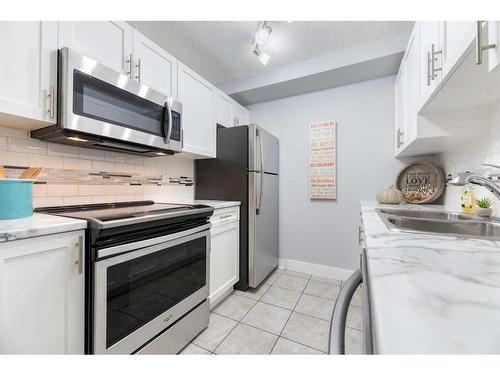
{"x": 224, "y": 253}
{"x": 42, "y": 295}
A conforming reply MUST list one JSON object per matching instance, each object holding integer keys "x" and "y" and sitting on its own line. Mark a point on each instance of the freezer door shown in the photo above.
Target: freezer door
{"x": 263, "y": 150}
{"x": 263, "y": 226}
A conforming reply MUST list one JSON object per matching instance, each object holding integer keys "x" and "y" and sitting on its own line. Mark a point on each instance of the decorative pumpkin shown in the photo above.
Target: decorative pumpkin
{"x": 390, "y": 196}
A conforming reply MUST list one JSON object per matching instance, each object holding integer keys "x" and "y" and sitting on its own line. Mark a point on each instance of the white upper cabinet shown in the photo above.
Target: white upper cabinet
{"x": 413, "y": 83}
{"x": 400, "y": 108}
{"x": 198, "y": 121}
{"x": 28, "y": 73}
{"x": 241, "y": 115}
{"x": 42, "y": 293}
{"x": 108, "y": 42}
{"x": 154, "y": 66}
{"x": 407, "y": 92}
{"x": 223, "y": 109}
{"x": 456, "y": 37}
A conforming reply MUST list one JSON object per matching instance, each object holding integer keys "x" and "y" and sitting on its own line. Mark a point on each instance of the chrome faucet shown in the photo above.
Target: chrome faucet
{"x": 464, "y": 178}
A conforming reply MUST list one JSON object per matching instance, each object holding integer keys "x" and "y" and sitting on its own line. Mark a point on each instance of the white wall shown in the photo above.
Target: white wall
{"x": 326, "y": 232}
{"x": 17, "y": 149}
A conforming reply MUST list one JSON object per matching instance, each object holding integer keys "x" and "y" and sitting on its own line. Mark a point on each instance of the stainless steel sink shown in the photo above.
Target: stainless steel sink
{"x": 440, "y": 222}
{"x": 422, "y": 214}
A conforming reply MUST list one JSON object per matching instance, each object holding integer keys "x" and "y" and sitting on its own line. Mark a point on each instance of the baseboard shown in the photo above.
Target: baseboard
{"x": 316, "y": 269}
{"x": 222, "y": 292}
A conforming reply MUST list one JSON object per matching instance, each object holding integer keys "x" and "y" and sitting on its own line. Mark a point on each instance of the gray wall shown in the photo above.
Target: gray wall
{"x": 326, "y": 232}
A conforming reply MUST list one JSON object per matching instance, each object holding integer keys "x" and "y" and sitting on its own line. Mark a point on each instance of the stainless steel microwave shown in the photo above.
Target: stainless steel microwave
{"x": 101, "y": 108}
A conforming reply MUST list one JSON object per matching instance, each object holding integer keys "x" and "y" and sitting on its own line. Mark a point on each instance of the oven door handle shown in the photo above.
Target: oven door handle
{"x": 120, "y": 249}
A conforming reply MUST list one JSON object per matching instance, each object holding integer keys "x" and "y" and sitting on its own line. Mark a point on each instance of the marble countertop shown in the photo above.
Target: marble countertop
{"x": 38, "y": 225}
{"x": 431, "y": 294}
{"x": 213, "y": 203}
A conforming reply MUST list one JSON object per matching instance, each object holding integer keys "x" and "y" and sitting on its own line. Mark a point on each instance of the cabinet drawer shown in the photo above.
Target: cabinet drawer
{"x": 224, "y": 215}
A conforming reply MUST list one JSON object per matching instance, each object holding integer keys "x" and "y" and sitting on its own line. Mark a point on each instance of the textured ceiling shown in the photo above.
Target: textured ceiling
{"x": 221, "y": 51}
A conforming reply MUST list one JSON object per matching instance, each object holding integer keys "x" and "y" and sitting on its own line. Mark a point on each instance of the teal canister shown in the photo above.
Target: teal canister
{"x": 16, "y": 198}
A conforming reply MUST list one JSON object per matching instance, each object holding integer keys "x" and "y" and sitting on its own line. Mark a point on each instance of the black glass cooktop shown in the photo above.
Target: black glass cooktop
{"x": 117, "y": 211}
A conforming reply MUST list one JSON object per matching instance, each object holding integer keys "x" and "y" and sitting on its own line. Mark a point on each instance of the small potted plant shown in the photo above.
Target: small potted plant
{"x": 484, "y": 207}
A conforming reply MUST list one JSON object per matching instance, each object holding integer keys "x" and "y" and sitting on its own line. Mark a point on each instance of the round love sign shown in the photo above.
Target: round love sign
{"x": 421, "y": 182}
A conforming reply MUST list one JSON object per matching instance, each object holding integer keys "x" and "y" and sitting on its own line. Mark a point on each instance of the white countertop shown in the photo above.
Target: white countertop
{"x": 213, "y": 203}
{"x": 431, "y": 294}
{"x": 37, "y": 225}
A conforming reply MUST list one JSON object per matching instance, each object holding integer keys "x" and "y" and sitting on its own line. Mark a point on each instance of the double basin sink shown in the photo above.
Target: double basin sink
{"x": 440, "y": 222}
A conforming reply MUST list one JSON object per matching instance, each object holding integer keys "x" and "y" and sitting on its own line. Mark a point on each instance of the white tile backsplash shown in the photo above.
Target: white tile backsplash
{"x": 17, "y": 149}
{"x": 28, "y": 146}
{"x": 54, "y": 190}
{"x": 469, "y": 156}
{"x": 60, "y": 150}
{"x": 81, "y": 164}
{"x": 90, "y": 154}
{"x": 3, "y": 143}
{"x": 45, "y": 161}
{"x": 90, "y": 190}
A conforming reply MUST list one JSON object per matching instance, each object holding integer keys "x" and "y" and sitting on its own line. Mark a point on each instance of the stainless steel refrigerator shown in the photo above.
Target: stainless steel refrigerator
{"x": 247, "y": 170}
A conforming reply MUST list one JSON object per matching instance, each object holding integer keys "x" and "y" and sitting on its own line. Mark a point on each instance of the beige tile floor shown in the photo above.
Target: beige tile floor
{"x": 288, "y": 314}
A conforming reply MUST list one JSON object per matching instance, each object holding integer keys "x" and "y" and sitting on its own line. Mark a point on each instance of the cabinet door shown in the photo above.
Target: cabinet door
{"x": 494, "y": 38}
{"x": 430, "y": 75}
{"x": 42, "y": 294}
{"x": 224, "y": 260}
{"x": 28, "y": 71}
{"x": 400, "y": 107}
{"x": 457, "y": 36}
{"x": 108, "y": 42}
{"x": 223, "y": 109}
{"x": 412, "y": 85}
{"x": 198, "y": 122}
{"x": 153, "y": 66}
{"x": 241, "y": 115}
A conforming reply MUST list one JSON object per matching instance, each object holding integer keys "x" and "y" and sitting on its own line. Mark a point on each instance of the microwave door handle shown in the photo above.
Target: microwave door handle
{"x": 168, "y": 128}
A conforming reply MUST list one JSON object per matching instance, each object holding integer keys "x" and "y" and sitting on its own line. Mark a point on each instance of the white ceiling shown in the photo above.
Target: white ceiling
{"x": 221, "y": 51}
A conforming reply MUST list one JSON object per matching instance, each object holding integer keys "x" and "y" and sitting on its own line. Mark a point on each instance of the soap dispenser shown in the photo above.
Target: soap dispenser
{"x": 467, "y": 200}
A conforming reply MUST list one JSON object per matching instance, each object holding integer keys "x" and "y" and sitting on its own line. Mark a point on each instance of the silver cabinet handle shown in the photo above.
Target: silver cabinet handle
{"x": 360, "y": 231}
{"x": 400, "y": 137}
{"x": 138, "y": 66}
{"x": 79, "y": 262}
{"x": 429, "y": 78}
{"x": 130, "y": 62}
{"x": 52, "y": 102}
{"x": 479, "y": 43}
{"x": 339, "y": 317}
{"x": 434, "y": 54}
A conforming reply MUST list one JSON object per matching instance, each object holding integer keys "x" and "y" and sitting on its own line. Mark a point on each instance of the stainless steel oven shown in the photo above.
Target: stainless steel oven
{"x": 105, "y": 109}
{"x": 147, "y": 284}
{"x": 142, "y": 292}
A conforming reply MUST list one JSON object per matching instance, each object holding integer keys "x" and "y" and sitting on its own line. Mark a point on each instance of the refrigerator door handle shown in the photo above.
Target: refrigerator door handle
{"x": 257, "y": 211}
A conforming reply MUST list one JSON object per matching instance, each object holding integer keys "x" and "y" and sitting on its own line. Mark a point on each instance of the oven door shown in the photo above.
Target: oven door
{"x": 137, "y": 295}
{"x": 99, "y": 101}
